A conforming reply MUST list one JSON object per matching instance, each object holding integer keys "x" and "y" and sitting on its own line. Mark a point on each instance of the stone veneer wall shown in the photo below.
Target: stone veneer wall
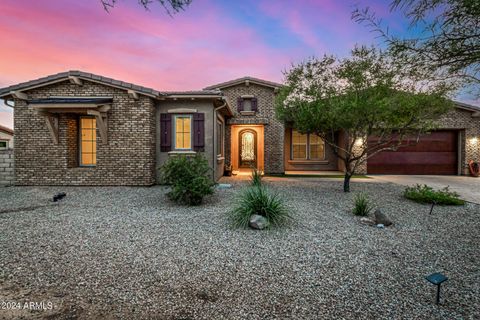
{"x": 127, "y": 159}
{"x": 6, "y": 167}
{"x": 274, "y": 129}
{"x": 469, "y": 128}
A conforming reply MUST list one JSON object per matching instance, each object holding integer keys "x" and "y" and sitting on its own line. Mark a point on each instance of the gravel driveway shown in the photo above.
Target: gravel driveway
{"x": 129, "y": 253}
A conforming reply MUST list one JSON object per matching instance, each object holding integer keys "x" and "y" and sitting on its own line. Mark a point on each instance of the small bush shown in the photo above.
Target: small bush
{"x": 189, "y": 178}
{"x": 259, "y": 200}
{"x": 256, "y": 179}
{"x": 362, "y": 205}
{"x": 426, "y": 194}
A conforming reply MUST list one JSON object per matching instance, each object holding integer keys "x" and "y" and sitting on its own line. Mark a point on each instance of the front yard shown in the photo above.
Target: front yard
{"x": 130, "y": 253}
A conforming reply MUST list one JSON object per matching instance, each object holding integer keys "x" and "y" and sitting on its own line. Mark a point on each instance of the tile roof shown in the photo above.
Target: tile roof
{"x": 81, "y": 75}
{"x": 70, "y": 100}
{"x": 243, "y": 79}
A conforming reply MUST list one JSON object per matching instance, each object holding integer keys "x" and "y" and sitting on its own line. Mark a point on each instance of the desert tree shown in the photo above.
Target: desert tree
{"x": 171, "y": 6}
{"x": 445, "y": 37}
{"x": 367, "y": 94}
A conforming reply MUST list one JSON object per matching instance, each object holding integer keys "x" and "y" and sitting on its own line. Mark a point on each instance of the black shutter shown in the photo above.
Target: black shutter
{"x": 240, "y": 104}
{"x": 199, "y": 131}
{"x": 254, "y": 104}
{"x": 166, "y": 132}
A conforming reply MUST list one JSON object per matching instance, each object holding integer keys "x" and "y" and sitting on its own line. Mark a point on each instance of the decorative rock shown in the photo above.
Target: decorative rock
{"x": 381, "y": 218}
{"x": 224, "y": 186}
{"x": 258, "y": 222}
{"x": 367, "y": 221}
{"x": 380, "y": 226}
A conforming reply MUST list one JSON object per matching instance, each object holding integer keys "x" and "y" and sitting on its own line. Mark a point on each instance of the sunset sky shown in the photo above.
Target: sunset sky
{"x": 212, "y": 41}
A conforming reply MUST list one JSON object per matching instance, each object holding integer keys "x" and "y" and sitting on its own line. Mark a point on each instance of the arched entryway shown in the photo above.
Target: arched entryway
{"x": 247, "y": 148}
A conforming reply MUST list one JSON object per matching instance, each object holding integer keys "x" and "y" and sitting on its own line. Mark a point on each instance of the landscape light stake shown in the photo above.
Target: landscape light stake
{"x": 431, "y": 208}
{"x": 437, "y": 279}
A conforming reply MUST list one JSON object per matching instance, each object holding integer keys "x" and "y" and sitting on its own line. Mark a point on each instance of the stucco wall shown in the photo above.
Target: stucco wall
{"x": 210, "y": 152}
{"x": 127, "y": 159}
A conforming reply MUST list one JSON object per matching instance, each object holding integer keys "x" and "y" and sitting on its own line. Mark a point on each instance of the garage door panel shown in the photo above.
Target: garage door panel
{"x": 419, "y": 169}
{"x": 435, "y": 153}
{"x": 413, "y": 158}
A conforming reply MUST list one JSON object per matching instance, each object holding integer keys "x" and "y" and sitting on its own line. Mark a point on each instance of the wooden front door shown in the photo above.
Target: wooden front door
{"x": 247, "y": 149}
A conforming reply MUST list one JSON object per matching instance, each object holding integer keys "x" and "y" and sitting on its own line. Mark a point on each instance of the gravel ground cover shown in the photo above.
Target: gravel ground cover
{"x": 129, "y": 253}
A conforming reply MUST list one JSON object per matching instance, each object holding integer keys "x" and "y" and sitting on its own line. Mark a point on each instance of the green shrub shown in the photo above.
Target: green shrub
{"x": 362, "y": 205}
{"x": 426, "y": 194}
{"x": 256, "y": 179}
{"x": 259, "y": 200}
{"x": 189, "y": 178}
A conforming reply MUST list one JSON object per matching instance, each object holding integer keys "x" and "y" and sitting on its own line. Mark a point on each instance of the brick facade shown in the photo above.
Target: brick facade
{"x": 274, "y": 129}
{"x": 127, "y": 159}
{"x": 131, "y": 154}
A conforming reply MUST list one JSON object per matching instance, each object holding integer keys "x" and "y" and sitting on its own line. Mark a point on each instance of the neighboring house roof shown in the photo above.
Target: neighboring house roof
{"x": 235, "y": 82}
{"x": 62, "y": 76}
{"x": 6, "y": 130}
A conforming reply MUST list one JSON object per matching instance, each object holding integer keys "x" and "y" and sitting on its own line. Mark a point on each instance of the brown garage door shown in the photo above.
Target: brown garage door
{"x": 435, "y": 153}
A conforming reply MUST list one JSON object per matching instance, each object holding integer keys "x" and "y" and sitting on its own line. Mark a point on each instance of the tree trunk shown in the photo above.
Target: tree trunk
{"x": 346, "y": 182}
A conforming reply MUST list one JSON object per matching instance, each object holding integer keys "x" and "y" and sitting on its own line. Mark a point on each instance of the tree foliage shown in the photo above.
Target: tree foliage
{"x": 171, "y": 6}
{"x": 445, "y": 40}
{"x": 367, "y": 94}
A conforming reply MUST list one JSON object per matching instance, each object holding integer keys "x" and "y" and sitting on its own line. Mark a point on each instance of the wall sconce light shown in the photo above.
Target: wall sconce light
{"x": 473, "y": 140}
{"x": 359, "y": 142}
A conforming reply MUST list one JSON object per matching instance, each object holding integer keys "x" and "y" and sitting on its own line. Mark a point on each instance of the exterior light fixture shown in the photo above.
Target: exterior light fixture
{"x": 473, "y": 140}
{"x": 359, "y": 142}
{"x": 437, "y": 279}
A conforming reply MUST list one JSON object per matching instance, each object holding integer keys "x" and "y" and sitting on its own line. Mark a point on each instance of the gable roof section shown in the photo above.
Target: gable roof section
{"x": 469, "y": 107}
{"x": 235, "y": 82}
{"x": 62, "y": 76}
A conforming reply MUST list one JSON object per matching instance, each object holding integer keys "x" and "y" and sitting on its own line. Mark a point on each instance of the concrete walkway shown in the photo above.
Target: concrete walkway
{"x": 467, "y": 187}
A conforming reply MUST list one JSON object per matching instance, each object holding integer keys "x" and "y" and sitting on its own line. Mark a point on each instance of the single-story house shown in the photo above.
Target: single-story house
{"x": 6, "y": 138}
{"x": 77, "y": 128}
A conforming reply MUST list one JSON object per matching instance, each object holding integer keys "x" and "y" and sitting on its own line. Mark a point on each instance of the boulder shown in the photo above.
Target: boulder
{"x": 258, "y": 222}
{"x": 367, "y": 221}
{"x": 381, "y": 218}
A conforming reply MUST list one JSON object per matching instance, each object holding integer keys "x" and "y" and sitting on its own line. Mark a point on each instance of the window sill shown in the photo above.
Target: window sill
{"x": 247, "y": 113}
{"x": 312, "y": 162}
{"x": 181, "y": 152}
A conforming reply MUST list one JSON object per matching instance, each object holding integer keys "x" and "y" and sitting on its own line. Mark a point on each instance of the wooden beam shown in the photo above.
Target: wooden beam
{"x": 247, "y": 83}
{"x": 132, "y": 94}
{"x": 102, "y": 128}
{"x": 476, "y": 114}
{"x": 19, "y": 95}
{"x": 104, "y": 108}
{"x": 75, "y": 80}
{"x": 52, "y": 125}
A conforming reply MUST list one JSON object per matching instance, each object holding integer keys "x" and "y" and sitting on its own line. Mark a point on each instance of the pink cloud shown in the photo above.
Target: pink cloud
{"x": 131, "y": 45}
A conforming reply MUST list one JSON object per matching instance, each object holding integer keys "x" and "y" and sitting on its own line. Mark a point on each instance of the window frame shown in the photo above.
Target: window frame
{"x": 221, "y": 135}
{"x": 307, "y": 151}
{"x": 6, "y": 145}
{"x": 174, "y": 132}
{"x": 80, "y": 164}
